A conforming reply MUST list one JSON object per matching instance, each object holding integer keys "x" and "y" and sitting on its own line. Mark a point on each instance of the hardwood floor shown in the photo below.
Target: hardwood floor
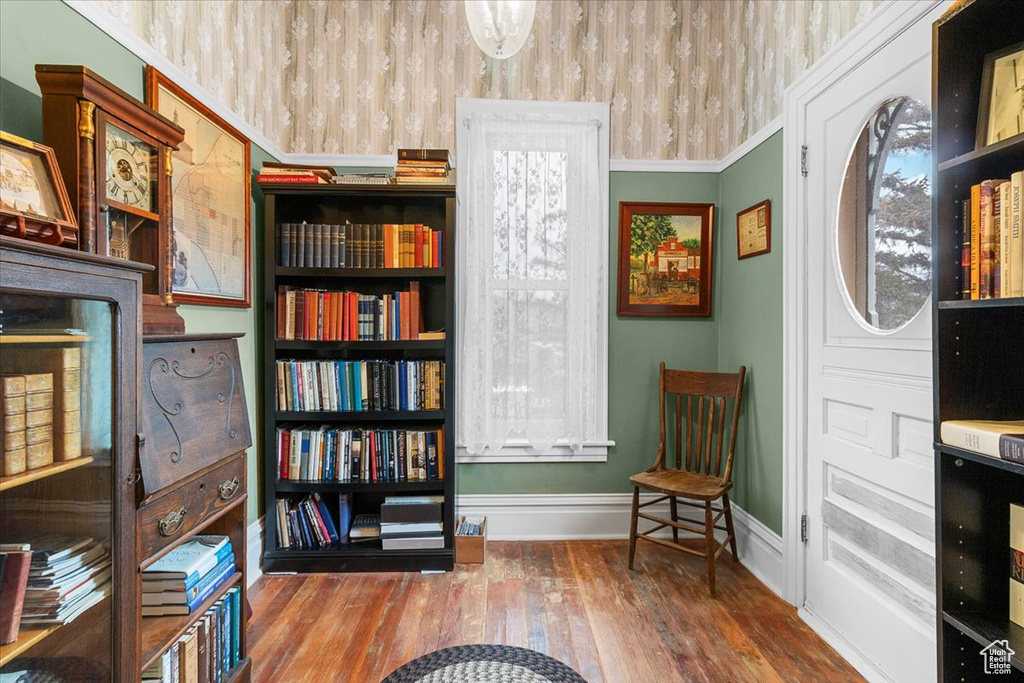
{"x": 572, "y": 600}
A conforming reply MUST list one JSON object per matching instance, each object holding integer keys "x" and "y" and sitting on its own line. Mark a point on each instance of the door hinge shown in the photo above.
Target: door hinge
{"x": 803, "y": 528}
{"x": 803, "y": 160}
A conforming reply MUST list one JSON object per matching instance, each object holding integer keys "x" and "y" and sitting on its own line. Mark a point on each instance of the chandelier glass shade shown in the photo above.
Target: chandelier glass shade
{"x": 500, "y": 27}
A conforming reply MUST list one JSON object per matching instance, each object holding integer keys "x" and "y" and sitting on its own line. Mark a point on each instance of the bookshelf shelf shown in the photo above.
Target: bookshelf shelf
{"x": 984, "y": 631}
{"x": 375, "y": 347}
{"x": 364, "y": 416}
{"x": 1016, "y": 302}
{"x": 44, "y": 338}
{"x": 30, "y": 637}
{"x": 431, "y": 206}
{"x": 434, "y": 486}
{"x": 981, "y": 459}
{"x": 160, "y": 633}
{"x": 999, "y": 152}
{"x": 360, "y": 273}
{"x": 43, "y": 472}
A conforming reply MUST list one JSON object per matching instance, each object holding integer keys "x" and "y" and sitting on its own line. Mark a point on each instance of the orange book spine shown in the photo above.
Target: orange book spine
{"x": 353, "y": 317}
{"x": 388, "y": 255}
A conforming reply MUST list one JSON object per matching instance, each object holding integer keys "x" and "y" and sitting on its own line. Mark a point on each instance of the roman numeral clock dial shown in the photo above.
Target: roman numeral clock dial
{"x": 130, "y": 162}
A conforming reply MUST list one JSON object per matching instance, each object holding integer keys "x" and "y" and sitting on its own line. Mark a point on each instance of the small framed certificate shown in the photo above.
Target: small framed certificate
{"x": 754, "y": 230}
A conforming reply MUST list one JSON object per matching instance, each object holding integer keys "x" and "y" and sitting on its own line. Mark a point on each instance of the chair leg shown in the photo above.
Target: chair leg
{"x": 729, "y": 528}
{"x": 709, "y": 532}
{"x": 675, "y": 518}
{"x": 632, "y": 524}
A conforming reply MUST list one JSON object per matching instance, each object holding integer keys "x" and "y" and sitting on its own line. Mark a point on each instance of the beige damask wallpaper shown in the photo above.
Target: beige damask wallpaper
{"x": 686, "y": 79}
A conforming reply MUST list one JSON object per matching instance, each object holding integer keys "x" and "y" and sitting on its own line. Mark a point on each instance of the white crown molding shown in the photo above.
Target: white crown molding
{"x": 95, "y": 14}
{"x": 665, "y": 165}
{"x": 535, "y": 517}
{"x": 253, "y": 551}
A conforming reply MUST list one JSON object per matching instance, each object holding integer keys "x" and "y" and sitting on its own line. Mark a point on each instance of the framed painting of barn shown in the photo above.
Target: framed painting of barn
{"x": 665, "y": 259}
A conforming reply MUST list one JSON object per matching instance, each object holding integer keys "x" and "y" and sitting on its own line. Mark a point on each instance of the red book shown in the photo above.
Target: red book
{"x": 403, "y": 312}
{"x": 435, "y": 260}
{"x": 415, "y": 314}
{"x": 300, "y": 315}
{"x": 290, "y": 179}
{"x": 281, "y": 320}
{"x": 328, "y": 317}
{"x": 353, "y": 317}
{"x": 12, "y": 593}
{"x": 283, "y": 453}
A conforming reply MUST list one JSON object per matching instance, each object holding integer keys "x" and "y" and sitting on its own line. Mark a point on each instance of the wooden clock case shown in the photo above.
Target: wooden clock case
{"x": 78, "y": 106}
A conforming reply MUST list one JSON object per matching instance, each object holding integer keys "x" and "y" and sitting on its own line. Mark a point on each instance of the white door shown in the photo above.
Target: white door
{"x": 869, "y": 555}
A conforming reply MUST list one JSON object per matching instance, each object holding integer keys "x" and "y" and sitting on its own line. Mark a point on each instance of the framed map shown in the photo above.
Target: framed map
{"x": 210, "y": 188}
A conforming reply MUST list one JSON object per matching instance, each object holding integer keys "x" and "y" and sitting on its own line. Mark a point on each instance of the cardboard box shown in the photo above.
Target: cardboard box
{"x": 471, "y": 549}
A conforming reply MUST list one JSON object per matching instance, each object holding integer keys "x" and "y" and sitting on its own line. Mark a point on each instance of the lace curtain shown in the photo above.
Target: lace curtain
{"x": 531, "y": 270}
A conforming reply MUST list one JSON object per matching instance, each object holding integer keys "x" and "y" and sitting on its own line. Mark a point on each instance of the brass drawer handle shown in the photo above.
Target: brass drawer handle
{"x": 172, "y": 523}
{"x": 228, "y": 488}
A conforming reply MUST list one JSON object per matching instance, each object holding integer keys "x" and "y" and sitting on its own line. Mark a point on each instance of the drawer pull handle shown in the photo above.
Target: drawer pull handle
{"x": 228, "y": 488}
{"x": 172, "y": 523}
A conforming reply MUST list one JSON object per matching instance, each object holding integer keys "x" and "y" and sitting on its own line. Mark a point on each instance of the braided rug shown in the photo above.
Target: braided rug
{"x": 484, "y": 664}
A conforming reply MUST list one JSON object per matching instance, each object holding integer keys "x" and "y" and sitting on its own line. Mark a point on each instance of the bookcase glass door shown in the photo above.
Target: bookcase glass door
{"x": 57, "y": 487}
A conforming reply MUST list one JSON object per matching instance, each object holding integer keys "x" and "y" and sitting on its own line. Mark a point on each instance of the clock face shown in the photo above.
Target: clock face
{"x": 130, "y": 166}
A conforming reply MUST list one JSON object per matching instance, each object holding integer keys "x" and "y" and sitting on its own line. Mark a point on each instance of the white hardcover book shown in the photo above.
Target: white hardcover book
{"x": 1006, "y": 271}
{"x": 1017, "y": 233}
{"x": 189, "y": 558}
{"x": 980, "y": 436}
{"x": 1017, "y": 566}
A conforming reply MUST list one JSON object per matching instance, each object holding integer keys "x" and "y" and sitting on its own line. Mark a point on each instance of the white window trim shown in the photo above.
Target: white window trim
{"x": 517, "y": 451}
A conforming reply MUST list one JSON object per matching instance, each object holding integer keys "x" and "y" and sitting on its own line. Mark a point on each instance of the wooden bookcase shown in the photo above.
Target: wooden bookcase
{"x": 360, "y": 204}
{"x": 978, "y": 354}
{"x": 92, "y": 304}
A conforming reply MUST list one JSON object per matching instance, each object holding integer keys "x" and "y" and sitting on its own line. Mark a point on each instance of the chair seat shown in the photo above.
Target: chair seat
{"x": 682, "y": 483}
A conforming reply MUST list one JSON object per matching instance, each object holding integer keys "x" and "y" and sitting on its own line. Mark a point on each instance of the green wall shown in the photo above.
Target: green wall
{"x": 48, "y": 31}
{"x": 749, "y": 311}
{"x": 746, "y": 326}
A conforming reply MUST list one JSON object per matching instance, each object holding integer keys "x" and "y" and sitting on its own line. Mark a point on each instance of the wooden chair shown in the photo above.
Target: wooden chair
{"x": 703, "y": 476}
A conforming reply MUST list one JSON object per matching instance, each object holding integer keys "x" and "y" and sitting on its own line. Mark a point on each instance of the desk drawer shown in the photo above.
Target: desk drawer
{"x": 172, "y": 516}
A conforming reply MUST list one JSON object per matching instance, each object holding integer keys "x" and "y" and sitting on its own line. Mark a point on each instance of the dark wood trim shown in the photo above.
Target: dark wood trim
{"x": 154, "y": 81}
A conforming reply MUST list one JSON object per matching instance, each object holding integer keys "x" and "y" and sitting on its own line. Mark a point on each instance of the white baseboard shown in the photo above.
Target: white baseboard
{"x": 843, "y": 647}
{"x": 254, "y": 552}
{"x": 538, "y": 517}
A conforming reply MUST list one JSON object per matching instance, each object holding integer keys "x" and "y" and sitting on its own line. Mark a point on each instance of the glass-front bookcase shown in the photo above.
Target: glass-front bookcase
{"x": 68, "y": 386}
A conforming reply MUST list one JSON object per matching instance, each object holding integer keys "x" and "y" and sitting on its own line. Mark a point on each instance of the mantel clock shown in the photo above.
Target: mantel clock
{"x": 114, "y": 153}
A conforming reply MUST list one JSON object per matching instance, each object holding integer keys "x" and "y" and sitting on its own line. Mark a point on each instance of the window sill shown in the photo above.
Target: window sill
{"x": 592, "y": 451}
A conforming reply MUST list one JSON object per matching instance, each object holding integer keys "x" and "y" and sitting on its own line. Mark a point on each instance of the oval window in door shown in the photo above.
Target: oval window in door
{"x": 885, "y": 216}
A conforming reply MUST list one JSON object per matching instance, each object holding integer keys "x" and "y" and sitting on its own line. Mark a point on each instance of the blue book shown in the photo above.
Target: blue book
{"x": 344, "y": 516}
{"x": 307, "y": 535}
{"x": 294, "y": 376}
{"x": 173, "y": 592}
{"x": 236, "y": 619}
{"x": 190, "y": 560}
{"x": 403, "y": 385}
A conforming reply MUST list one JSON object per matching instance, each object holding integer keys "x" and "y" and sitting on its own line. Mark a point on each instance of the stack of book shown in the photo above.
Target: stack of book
{"x": 181, "y": 580}
{"x": 423, "y": 166}
{"x": 412, "y": 522}
{"x": 67, "y": 576}
{"x": 208, "y": 651}
{"x": 15, "y": 559}
{"x": 304, "y": 522}
{"x": 277, "y": 173}
{"x": 992, "y": 239}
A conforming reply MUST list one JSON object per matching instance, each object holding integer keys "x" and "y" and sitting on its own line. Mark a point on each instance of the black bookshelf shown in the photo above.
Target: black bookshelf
{"x": 375, "y": 204}
{"x": 978, "y": 354}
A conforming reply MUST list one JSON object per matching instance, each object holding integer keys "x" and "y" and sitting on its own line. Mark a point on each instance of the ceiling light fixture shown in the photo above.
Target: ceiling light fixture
{"x": 500, "y": 27}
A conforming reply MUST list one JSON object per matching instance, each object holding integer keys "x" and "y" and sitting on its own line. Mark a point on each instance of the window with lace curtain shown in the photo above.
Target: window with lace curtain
{"x": 533, "y": 281}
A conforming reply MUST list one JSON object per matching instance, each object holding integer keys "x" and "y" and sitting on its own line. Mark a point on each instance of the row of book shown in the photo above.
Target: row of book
{"x": 359, "y": 245}
{"x": 303, "y": 521}
{"x": 40, "y": 408}
{"x": 1003, "y": 439}
{"x": 184, "y": 578}
{"x": 357, "y": 386}
{"x": 208, "y": 651}
{"x": 330, "y": 315}
{"x": 50, "y": 580}
{"x": 992, "y": 240}
{"x": 329, "y": 454}
{"x": 423, "y": 166}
